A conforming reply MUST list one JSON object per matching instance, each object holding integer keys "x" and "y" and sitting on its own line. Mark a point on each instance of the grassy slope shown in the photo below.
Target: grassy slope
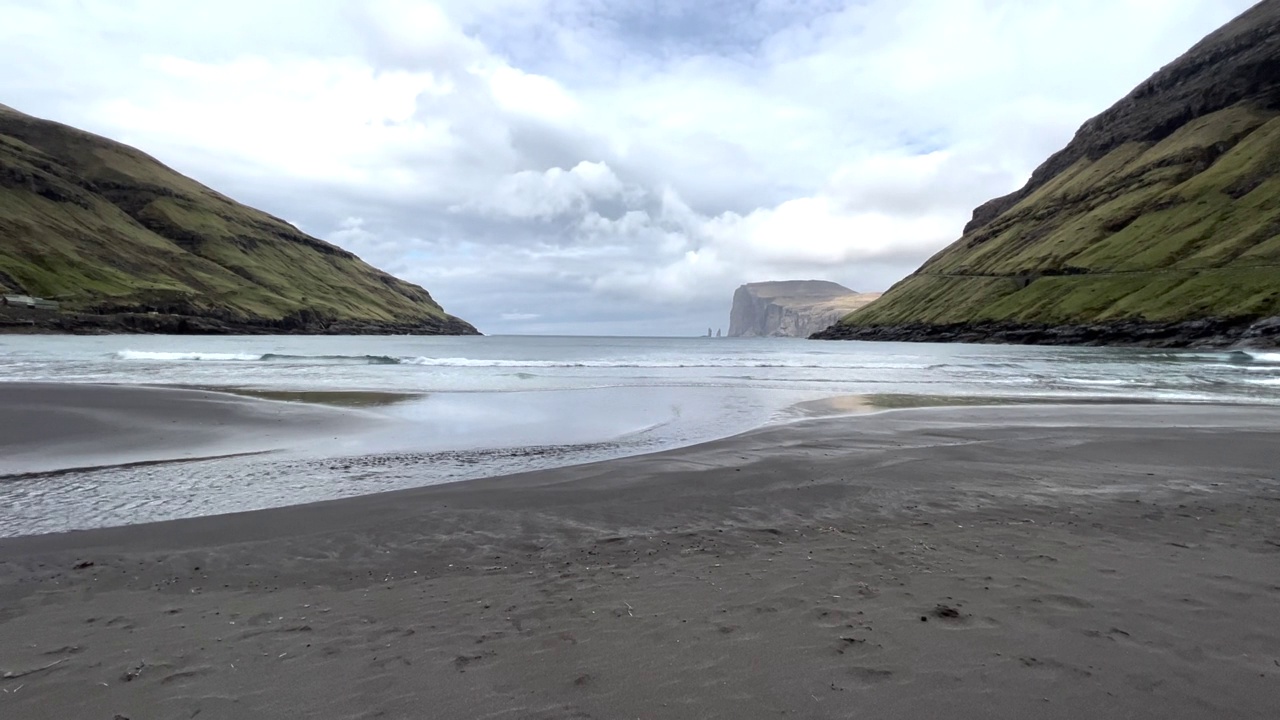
{"x": 1164, "y": 208}
{"x": 1147, "y": 231}
{"x": 99, "y": 225}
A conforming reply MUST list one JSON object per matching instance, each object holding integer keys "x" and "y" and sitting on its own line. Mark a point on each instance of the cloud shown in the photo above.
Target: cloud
{"x": 588, "y": 166}
{"x": 529, "y": 194}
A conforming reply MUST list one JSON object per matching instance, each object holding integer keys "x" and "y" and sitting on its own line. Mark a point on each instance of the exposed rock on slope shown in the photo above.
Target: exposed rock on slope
{"x": 1159, "y": 224}
{"x": 791, "y": 308}
{"x": 125, "y": 243}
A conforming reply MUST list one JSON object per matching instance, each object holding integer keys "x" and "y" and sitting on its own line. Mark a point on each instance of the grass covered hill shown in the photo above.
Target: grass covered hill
{"x": 123, "y": 242}
{"x": 1158, "y": 224}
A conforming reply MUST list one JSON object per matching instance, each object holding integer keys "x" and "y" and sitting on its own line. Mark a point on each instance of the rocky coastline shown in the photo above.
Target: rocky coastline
{"x": 23, "y": 321}
{"x": 1203, "y": 333}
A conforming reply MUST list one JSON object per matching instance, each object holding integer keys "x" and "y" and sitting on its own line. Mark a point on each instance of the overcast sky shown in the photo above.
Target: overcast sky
{"x": 592, "y": 166}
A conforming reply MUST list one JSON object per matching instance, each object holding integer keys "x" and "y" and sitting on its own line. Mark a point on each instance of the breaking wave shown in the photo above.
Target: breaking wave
{"x": 1265, "y": 357}
{"x": 1095, "y": 381}
{"x": 184, "y": 356}
{"x": 476, "y": 361}
{"x": 1242, "y": 356}
{"x": 1237, "y": 357}
{"x": 463, "y": 362}
{"x": 716, "y": 363}
{"x": 248, "y": 357}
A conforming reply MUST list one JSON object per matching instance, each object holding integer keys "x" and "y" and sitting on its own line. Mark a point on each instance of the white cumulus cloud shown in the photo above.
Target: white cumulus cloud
{"x": 580, "y": 166}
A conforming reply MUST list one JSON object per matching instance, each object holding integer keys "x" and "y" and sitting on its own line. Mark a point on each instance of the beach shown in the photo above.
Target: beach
{"x": 989, "y": 562}
{"x": 56, "y": 427}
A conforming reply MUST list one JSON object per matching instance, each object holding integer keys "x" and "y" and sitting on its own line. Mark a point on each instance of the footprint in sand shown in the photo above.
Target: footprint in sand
{"x": 856, "y": 646}
{"x": 1061, "y": 602}
{"x": 65, "y": 650}
{"x": 1053, "y": 667}
{"x": 868, "y": 676}
{"x": 835, "y": 617}
{"x": 462, "y": 662}
{"x": 188, "y": 674}
{"x": 954, "y": 618}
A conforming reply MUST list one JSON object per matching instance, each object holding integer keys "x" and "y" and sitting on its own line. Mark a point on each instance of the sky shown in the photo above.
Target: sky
{"x": 592, "y": 167}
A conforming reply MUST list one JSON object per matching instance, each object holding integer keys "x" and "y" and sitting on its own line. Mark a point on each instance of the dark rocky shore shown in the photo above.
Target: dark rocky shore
{"x": 1206, "y": 333}
{"x": 20, "y": 320}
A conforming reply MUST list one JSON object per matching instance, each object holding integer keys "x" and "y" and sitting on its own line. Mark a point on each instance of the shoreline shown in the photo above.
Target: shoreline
{"x": 211, "y": 451}
{"x": 332, "y": 398}
{"x": 1008, "y": 561}
{"x": 1214, "y": 333}
{"x": 58, "y": 427}
{"x": 139, "y": 321}
{"x": 1212, "y": 416}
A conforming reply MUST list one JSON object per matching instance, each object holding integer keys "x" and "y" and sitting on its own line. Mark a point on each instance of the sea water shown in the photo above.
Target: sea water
{"x": 455, "y": 408}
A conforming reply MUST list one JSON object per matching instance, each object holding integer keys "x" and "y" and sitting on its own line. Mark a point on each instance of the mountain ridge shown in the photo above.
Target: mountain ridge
{"x": 126, "y": 243}
{"x": 1158, "y": 224}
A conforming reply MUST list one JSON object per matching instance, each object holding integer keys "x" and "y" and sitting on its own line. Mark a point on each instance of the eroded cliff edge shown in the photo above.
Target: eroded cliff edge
{"x": 791, "y": 308}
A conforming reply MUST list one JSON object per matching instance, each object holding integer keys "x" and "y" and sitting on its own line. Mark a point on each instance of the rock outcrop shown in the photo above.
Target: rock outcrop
{"x": 1205, "y": 333}
{"x": 125, "y": 244}
{"x": 791, "y": 308}
{"x": 1158, "y": 224}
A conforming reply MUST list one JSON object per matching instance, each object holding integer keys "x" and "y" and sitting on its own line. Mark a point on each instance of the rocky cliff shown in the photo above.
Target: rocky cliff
{"x": 127, "y": 244}
{"x": 792, "y": 308}
{"x": 1159, "y": 224}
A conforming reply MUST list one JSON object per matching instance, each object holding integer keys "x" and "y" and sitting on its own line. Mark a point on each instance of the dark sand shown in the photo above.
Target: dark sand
{"x": 337, "y": 398}
{"x": 1000, "y": 562}
{"x": 49, "y": 427}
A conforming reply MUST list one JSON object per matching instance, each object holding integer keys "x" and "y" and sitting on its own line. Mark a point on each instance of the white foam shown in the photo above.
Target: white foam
{"x": 1266, "y": 357}
{"x": 184, "y": 356}
{"x": 486, "y": 362}
{"x": 714, "y": 363}
{"x": 476, "y": 362}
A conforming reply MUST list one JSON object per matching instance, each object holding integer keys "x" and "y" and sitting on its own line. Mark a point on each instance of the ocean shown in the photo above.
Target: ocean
{"x": 457, "y": 408}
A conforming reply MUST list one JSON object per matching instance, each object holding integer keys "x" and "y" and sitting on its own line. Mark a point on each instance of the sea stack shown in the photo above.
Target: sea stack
{"x": 791, "y": 308}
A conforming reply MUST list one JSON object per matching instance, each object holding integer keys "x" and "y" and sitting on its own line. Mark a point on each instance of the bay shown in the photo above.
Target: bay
{"x": 455, "y": 408}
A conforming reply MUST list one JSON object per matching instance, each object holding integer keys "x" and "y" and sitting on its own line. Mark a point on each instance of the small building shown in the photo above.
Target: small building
{"x": 29, "y": 302}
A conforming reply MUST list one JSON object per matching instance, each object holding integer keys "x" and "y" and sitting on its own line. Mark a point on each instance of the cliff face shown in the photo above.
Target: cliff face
{"x": 125, "y": 243}
{"x": 1159, "y": 223}
{"x": 794, "y": 308}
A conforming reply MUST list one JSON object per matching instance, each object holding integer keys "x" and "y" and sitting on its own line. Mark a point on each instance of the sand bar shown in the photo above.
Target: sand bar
{"x": 51, "y": 427}
{"x": 996, "y": 562}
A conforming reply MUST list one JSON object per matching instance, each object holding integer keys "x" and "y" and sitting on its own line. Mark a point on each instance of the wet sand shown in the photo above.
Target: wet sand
{"x": 51, "y": 427}
{"x": 336, "y": 398}
{"x": 996, "y": 562}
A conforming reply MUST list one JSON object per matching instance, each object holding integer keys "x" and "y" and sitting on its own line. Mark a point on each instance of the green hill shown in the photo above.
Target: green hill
{"x": 125, "y": 243}
{"x": 1158, "y": 224}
